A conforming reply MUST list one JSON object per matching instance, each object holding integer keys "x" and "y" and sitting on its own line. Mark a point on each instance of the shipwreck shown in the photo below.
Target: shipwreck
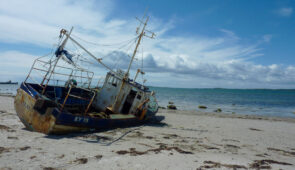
{"x": 62, "y": 99}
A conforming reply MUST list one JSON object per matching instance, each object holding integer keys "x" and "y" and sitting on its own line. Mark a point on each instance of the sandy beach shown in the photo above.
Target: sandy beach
{"x": 183, "y": 140}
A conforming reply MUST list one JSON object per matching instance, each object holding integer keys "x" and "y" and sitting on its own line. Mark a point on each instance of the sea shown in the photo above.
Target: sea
{"x": 263, "y": 102}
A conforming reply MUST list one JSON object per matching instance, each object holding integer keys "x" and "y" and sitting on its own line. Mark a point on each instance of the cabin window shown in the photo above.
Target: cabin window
{"x": 110, "y": 80}
{"x": 138, "y": 97}
{"x": 114, "y": 83}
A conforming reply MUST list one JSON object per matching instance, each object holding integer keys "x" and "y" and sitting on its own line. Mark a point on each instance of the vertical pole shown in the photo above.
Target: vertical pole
{"x": 115, "y": 106}
{"x": 135, "y": 50}
{"x": 31, "y": 70}
{"x": 46, "y": 74}
{"x": 58, "y": 57}
{"x": 66, "y": 98}
{"x": 138, "y": 70}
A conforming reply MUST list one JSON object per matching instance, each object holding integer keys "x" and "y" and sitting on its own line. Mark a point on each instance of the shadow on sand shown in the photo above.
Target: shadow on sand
{"x": 92, "y": 136}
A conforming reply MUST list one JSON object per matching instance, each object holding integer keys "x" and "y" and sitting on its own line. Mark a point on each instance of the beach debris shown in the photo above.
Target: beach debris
{"x": 81, "y": 160}
{"x": 202, "y": 107}
{"x": 139, "y": 134}
{"x": 169, "y": 136}
{"x": 231, "y": 148}
{"x": 146, "y": 145}
{"x": 134, "y": 152}
{"x": 96, "y": 137}
{"x": 262, "y": 155}
{"x": 212, "y": 164}
{"x": 149, "y": 137}
{"x": 3, "y": 127}
{"x": 230, "y": 140}
{"x": 218, "y": 110}
{"x": 24, "y": 148}
{"x": 61, "y": 156}
{"x": 255, "y": 129}
{"x": 2, "y": 111}
{"x": 265, "y": 164}
{"x": 6, "y": 168}
{"x": 208, "y": 147}
{"x": 49, "y": 168}
{"x": 12, "y": 137}
{"x": 283, "y": 152}
{"x": 98, "y": 157}
{"x": 3, "y": 149}
{"x": 172, "y": 107}
{"x": 136, "y": 134}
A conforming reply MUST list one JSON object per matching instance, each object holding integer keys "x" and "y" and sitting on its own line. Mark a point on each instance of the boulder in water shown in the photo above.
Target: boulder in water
{"x": 202, "y": 107}
{"x": 218, "y": 110}
{"x": 171, "y": 107}
{"x": 170, "y": 102}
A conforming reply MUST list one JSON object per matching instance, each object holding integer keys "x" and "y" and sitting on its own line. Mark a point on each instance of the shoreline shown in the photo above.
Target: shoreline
{"x": 7, "y": 94}
{"x": 229, "y": 115}
{"x": 183, "y": 140}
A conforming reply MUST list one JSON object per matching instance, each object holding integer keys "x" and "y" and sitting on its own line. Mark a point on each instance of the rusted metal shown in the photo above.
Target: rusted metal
{"x": 89, "y": 104}
{"x": 142, "y": 114}
{"x": 65, "y": 100}
{"x": 24, "y": 104}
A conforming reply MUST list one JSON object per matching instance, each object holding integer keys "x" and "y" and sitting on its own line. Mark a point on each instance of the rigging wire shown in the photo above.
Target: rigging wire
{"x": 127, "y": 43}
{"x": 106, "y": 45}
{"x": 142, "y": 77}
{"x": 128, "y": 49}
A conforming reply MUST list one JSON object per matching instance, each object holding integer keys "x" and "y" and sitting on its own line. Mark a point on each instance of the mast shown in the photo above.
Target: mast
{"x": 135, "y": 50}
{"x": 60, "y": 48}
{"x": 117, "y": 103}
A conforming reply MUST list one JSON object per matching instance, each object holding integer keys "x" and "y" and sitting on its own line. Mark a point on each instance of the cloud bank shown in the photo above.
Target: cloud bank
{"x": 169, "y": 60}
{"x": 285, "y": 12}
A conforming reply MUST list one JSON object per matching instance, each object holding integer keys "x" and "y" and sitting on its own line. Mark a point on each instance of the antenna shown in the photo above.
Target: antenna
{"x": 140, "y": 20}
{"x": 144, "y": 20}
{"x": 141, "y": 34}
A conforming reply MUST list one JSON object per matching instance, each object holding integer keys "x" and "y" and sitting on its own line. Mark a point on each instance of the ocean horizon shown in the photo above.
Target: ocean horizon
{"x": 262, "y": 102}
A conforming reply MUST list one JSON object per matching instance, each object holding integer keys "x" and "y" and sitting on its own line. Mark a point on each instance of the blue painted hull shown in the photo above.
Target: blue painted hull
{"x": 59, "y": 122}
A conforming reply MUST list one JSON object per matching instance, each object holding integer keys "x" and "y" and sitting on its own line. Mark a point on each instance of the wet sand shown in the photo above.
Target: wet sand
{"x": 183, "y": 140}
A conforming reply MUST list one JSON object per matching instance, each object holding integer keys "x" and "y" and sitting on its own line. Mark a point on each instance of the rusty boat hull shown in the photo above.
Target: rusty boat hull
{"x": 53, "y": 120}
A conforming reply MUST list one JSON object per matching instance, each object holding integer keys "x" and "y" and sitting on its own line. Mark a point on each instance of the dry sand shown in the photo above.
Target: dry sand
{"x": 184, "y": 140}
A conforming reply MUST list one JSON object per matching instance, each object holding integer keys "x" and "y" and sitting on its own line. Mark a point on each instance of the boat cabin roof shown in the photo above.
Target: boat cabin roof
{"x": 132, "y": 83}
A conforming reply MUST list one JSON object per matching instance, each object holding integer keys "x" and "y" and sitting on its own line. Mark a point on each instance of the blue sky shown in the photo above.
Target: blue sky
{"x": 199, "y": 44}
{"x": 250, "y": 20}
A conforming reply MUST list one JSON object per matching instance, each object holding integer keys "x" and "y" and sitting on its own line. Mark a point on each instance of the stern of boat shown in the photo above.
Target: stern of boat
{"x": 24, "y": 106}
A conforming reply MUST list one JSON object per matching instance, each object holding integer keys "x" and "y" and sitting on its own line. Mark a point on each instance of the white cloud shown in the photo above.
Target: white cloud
{"x": 267, "y": 38}
{"x": 285, "y": 12}
{"x": 15, "y": 59}
{"x": 15, "y": 65}
{"x": 230, "y": 34}
{"x": 195, "y": 61}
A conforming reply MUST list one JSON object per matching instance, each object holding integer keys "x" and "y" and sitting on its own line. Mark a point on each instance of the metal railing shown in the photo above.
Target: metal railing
{"x": 61, "y": 74}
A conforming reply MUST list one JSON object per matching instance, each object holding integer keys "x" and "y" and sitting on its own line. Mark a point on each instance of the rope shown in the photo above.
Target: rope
{"x": 106, "y": 45}
{"x": 128, "y": 49}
